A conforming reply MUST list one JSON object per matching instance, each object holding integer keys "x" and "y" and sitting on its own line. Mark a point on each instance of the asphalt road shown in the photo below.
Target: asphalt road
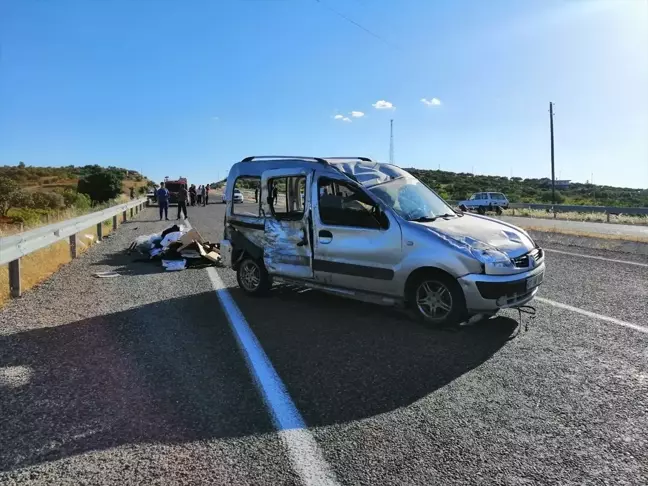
{"x": 140, "y": 380}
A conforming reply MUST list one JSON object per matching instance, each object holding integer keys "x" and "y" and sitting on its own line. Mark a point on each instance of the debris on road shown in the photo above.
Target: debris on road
{"x": 176, "y": 248}
{"x": 106, "y": 274}
{"x": 174, "y": 265}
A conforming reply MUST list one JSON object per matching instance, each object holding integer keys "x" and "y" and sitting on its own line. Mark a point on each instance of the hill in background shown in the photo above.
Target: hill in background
{"x": 30, "y": 195}
{"x": 52, "y": 179}
{"x": 458, "y": 186}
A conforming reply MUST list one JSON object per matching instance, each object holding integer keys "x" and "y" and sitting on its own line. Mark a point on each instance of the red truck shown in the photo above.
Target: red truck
{"x": 173, "y": 186}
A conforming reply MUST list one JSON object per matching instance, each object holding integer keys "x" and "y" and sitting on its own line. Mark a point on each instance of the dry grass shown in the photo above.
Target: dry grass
{"x": 575, "y": 216}
{"x": 55, "y": 217}
{"x": 37, "y": 266}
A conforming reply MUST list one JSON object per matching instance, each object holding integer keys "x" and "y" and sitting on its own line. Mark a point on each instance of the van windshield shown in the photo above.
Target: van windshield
{"x": 411, "y": 199}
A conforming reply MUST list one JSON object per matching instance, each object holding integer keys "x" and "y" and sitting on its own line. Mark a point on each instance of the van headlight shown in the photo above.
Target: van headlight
{"x": 492, "y": 257}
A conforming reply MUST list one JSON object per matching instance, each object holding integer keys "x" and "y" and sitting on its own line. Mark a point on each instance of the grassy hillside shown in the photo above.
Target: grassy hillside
{"x": 30, "y": 196}
{"x": 458, "y": 186}
{"x": 47, "y": 179}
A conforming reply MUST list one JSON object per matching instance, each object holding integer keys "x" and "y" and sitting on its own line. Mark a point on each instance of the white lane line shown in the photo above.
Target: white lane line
{"x": 595, "y": 257}
{"x": 304, "y": 453}
{"x": 594, "y": 315}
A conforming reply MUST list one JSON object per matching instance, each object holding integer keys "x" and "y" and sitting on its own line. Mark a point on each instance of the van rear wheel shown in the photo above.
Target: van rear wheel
{"x": 253, "y": 277}
{"x": 437, "y": 299}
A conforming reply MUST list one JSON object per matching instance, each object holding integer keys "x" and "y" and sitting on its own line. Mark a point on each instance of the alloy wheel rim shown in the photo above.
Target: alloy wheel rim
{"x": 434, "y": 300}
{"x": 250, "y": 276}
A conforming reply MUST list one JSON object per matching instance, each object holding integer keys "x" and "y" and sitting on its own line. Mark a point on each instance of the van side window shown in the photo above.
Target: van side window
{"x": 341, "y": 204}
{"x": 246, "y": 187}
{"x": 286, "y": 197}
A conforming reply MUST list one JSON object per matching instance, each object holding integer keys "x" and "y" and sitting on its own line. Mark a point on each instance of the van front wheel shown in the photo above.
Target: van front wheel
{"x": 437, "y": 299}
{"x": 252, "y": 277}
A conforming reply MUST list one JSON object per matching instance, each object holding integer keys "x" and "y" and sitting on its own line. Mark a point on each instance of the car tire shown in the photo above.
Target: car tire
{"x": 253, "y": 277}
{"x": 481, "y": 210}
{"x": 498, "y": 210}
{"x": 436, "y": 299}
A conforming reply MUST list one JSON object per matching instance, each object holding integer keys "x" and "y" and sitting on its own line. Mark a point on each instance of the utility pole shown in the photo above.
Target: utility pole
{"x": 391, "y": 141}
{"x": 553, "y": 168}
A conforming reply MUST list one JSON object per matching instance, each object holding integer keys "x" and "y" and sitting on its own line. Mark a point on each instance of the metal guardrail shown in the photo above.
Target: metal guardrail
{"x": 14, "y": 247}
{"x": 565, "y": 208}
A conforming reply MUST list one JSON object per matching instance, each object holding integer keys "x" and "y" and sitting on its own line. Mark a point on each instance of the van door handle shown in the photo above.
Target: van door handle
{"x": 325, "y": 237}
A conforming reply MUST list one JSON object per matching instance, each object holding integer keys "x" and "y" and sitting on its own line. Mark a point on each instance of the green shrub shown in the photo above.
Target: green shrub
{"x": 82, "y": 202}
{"x": 101, "y": 185}
{"x": 28, "y": 216}
{"x": 47, "y": 200}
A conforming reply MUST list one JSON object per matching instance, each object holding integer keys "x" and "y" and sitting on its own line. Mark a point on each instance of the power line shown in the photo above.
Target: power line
{"x": 341, "y": 15}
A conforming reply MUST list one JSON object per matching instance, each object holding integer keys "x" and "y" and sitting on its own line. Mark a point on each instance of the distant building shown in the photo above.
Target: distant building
{"x": 564, "y": 184}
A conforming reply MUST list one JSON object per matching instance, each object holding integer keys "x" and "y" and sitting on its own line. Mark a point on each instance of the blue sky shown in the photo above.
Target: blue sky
{"x": 190, "y": 87}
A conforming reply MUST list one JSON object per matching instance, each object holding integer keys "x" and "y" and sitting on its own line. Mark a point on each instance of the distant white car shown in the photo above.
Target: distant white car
{"x": 238, "y": 197}
{"x": 486, "y": 201}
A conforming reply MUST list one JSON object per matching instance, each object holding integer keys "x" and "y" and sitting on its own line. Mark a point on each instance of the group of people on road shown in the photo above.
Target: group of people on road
{"x": 199, "y": 195}
{"x": 184, "y": 196}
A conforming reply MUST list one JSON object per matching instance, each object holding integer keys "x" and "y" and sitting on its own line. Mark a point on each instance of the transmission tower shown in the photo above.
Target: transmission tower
{"x": 391, "y": 141}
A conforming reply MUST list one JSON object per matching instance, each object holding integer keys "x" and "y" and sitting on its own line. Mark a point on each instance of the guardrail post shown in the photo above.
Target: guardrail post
{"x": 73, "y": 246}
{"x": 131, "y": 213}
{"x": 608, "y": 216}
{"x": 137, "y": 209}
{"x": 124, "y": 217}
{"x": 513, "y": 211}
{"x": 114, "y": 222}
{"x": 100, "y": 231}
{"x": 14, "y": 278}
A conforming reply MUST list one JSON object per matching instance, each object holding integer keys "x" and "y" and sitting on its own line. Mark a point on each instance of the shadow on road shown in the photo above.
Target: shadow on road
{"x": 139, "y": 264}
{"x": 343, "y": 360}
{"x": 170, "y": 372}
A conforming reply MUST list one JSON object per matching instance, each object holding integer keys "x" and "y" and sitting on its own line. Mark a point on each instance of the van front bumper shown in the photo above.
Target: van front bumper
{"x": 492, "y": 292}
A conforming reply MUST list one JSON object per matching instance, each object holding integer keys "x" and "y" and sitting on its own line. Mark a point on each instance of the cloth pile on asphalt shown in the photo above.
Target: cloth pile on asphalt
{"x": 177, "y": 248}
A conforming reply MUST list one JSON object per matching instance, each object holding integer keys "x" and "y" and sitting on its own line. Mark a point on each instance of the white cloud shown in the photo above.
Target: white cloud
{"x": 346, "y": 119}
{"x": 342, "y": 117}
{"x": 431, "y": 102}
{"x": 357, "y": 114}
{"x": 383, "y": 105}
{"x": 338, "y": 117}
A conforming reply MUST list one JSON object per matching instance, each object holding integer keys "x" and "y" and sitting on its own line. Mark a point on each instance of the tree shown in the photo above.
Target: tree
{"x": 100, "y": 185}
{"x": 546, "y": 197}
{"x": 8, "y": 192}
{"x": 47, "y": 200}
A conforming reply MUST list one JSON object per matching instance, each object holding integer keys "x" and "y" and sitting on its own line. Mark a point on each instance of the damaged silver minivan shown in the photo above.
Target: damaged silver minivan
{"x": 373, "y": 232}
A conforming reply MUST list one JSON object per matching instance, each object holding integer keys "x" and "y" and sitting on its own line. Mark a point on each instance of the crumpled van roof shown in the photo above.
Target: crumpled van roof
{"x": 361, "y": 169}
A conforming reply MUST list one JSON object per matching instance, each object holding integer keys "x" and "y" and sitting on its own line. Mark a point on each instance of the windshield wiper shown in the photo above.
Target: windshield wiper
{"x": 428, "y": 219}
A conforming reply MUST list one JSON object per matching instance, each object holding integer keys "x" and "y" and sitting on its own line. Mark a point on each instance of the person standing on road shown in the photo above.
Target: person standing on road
{"x": 206, "y": 194}
{"x": 163, "y": 201}
{"x": 256, "y": 194}
{"x": 199, "y": 195}
{"x": 203, "y": 194}
{"x": 275, "y": 195}
{"x": 182, "y": 201}
{"x": 192, "y": 194}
